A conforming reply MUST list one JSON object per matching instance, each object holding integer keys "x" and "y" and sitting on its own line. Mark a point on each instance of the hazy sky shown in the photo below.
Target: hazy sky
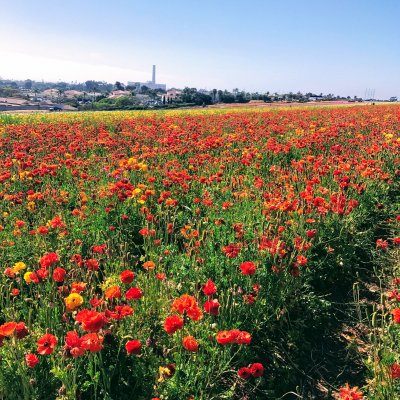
{"x": 329, "y": 46}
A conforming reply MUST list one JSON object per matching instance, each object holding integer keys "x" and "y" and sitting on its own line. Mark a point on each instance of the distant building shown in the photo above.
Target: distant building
{"x": 172, "y": 94}
{"x": 393, "y": 98}
{"x": 150, "y": 84}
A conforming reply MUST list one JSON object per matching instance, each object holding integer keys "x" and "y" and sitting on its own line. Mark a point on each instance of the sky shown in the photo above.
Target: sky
{"x": 330, "y": 46}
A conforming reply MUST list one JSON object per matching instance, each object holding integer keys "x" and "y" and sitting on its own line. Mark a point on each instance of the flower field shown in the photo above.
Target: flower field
{"x": 200, "y": 254}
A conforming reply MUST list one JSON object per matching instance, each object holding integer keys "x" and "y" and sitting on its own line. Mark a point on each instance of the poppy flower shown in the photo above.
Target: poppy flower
{"x": 257, "y": 370}
{"x": 243, "y": 338}
{"x": 190, "y": 344}
{"x": 209, "y": 288}
{"x": 21, "y": 330}
{"x": 31, "y": 360}
{"x": 248, "y": 268}
{"x": 187, "y": 304}
{"x": 92, "y": 321}
{"x": 382, "y": 244}
{"x": 225, "y": 337}
{"x": 93, "y": 264}
{"x": 244, "y": 373}
{"x": 73, "y": 301}
{"x": 113, "y": 292}
{"x": 92, "y": 342}
{"x": 73, "y": 344}
{"x": 133, "y": 293}
{"x": 212, "y": 307}
{"x": 59, "y": 274}
{"x": 46, "y": 344}
{"x": 48, "y": 259}
{"x": 133, "y": 347}
{"x": 172, "y": 324}
{"x": 149, "y": 265}
{"x": 232, "y": 250}
{"x": 301, "y": 260}
{"x": 7, "y": 329}
{"x": 394, "y": 371}
{"x": 127, "y": 276}
{"x": 348, "y": 393}
{"x": 396, "y": 315}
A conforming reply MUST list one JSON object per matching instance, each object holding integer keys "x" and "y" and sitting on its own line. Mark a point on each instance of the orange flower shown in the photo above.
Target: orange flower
{"x": 149, "y": 265}
{"x": 189, "y": 305}
{"x": 113, "y": 292}
{"x": 8, "y": 328}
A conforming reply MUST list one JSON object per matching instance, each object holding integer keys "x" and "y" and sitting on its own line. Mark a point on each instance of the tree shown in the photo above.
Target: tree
{"x": 214, "y": 95}
{"x": 89, "y": 85}
{"x": 28, "y": 84}
{"x": 60, "y": 93}
{"x": 119, "y": 85}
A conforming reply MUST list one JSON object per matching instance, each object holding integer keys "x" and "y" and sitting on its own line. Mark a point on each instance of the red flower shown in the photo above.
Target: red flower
{"x": 394, "y": 371}
{"x": 347, "y": 393}
{"x": 232, "y": 250}
{"x": 73, "y": 343}
{"x": 311, "y": 233}
{"x": 209, "y": 288}
{"x": 248, "y": 268}
{"x": 92, "y": 342}
{"x": 396, "y": 315}
{"x": 127, "y": 276}
{"x": 190, "y": 344}
{"x": 301, "y": 260}
{"x": 59, "y": 274}
{"x": 21, "y": 330}
{"x": 43, "y": 230}
{"x": 133, "y": 294}
{"x": 48, "y": 259}
{"x": 212, "y": 307}
{"x": 96, "y": 302}
{"x": 243, "y": 338}
{"x": 46, "y": 344}
{"x": 78, "y": 287}
{"x": 225, "y": 337}
{"x": 172, "y": 324}
{"x": 133, "y": 347}
{"x": 92, "y": 321}
{"x": 100, "y": 249}
{"x": 187, "y": 304}
{"x": 93, "y": 264}
{"x": 257, "y": 370}
{"x": 160, "y": 276}
{"x": 31, "y": 360}
{"x": 121, "y": 312}
{"x": 382, "y": 244}
{"x": 244, "y": 373}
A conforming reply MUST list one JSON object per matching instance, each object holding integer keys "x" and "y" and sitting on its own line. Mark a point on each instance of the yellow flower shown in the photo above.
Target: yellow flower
{"x": 73, "y": 301}
{"x": 19, "y": 266}
{"x": 27, "y": 277}
{"x": 31, "y": 206}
